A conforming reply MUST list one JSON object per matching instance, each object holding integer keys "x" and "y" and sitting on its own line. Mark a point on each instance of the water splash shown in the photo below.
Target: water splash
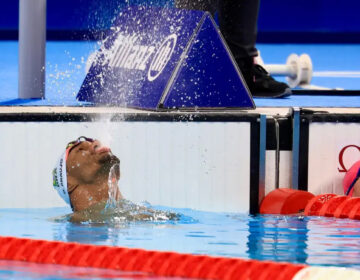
{"x": 104, "y": 129}
{"x": 120, "y": 213}
{"x": 113, "y": 190}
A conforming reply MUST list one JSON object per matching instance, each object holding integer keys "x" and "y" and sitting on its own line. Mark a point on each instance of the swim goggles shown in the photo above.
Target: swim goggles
{"x": 353, "y": 183}
{"x": 71, "y": 145}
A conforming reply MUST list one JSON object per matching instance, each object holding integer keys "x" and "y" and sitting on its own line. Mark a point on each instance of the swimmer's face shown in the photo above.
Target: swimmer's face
{"x": 89, "y": 161}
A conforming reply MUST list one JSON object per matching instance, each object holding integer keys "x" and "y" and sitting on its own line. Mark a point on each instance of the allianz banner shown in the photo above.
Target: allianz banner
{"x": 155, "y": 58}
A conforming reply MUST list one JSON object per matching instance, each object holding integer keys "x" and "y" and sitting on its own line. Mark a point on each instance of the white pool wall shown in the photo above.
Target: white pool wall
{"x": 326, "y": 140}
{"x": 199, "y": 165}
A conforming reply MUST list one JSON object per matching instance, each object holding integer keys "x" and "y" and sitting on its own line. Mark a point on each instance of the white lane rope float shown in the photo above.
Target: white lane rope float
{"x": 298, "y": 69}
{"x": 299, "y": 72}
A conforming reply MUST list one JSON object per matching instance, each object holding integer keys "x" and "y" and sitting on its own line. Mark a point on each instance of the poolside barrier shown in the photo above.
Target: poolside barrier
{"x": 156, "y": 58}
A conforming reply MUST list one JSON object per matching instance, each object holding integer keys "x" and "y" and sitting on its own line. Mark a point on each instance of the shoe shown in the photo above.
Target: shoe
{"x": 260, "y": 83}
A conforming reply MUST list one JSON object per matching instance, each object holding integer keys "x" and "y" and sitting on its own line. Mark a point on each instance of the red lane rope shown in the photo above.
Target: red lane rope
{"x": 331, "y": 205}
{"x": 137, "y": 260}
{"x": 313, "y": 207}
{"x": 343, "y": 210}
{"x": 286, "y": 201}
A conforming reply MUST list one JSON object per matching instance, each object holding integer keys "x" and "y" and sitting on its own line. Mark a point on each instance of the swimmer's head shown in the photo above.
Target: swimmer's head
{"x": 82, "y": 172}
{"x": 351, "y": 181}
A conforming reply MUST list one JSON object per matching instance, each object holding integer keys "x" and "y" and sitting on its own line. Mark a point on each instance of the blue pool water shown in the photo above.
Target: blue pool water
{"x": 309, "y": 240}
{"x": 26, "y": 271}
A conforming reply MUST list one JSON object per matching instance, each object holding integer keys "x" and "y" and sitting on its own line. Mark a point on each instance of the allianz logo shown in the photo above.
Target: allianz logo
{"x": 127, "y": 53}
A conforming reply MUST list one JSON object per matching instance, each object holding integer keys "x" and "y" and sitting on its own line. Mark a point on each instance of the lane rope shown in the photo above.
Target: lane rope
{"x": 163, "y": 264}
{"x": 331, "y": 205}
{"x": 285, "y": 201}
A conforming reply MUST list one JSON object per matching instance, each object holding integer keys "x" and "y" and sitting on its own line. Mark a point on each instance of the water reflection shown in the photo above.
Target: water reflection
{"x": 305, "y": 240}
{"x": 115, "y": 225}
{"x": 278, "y": 238}
{"x": 17, "y": 270}
{"x": 334, "y": 241}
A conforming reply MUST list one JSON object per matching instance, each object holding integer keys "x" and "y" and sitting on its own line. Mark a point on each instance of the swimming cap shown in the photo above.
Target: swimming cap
{"x": 350, "y": 178}
{"x": 59, "y": 172}
{"x": 60, "y": 178}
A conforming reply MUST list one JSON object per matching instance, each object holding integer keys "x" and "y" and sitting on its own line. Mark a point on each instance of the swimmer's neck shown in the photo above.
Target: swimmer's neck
{"x": 86, "y": 195}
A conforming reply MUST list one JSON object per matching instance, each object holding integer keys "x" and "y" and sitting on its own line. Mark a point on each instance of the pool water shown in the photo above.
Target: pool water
{"x": 305, "y": 240}
{"x": 16, "y": 270}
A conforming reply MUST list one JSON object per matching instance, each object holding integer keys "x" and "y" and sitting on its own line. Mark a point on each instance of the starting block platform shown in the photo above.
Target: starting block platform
{"x": 66, "y": 71}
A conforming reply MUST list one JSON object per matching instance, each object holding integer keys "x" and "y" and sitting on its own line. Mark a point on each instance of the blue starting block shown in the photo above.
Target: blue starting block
{"x": 156, "y": 58}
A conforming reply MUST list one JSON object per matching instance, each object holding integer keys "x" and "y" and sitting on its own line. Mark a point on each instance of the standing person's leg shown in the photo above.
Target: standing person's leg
{"x": 238, "y": 24}
{"x": 203, "y": 5}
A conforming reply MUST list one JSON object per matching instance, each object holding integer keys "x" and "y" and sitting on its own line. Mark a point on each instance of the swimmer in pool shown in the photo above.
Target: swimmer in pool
{"x": 86, "y": 177}
{"x": 351, "y": 182}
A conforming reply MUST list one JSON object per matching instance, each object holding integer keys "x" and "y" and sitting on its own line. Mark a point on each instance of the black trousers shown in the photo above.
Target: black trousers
{"x": 238, "y": 22}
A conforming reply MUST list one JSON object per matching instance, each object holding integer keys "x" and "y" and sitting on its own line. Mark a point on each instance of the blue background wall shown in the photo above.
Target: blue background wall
{"x": 309, "y": 20}
{"x": 279, "y": 20}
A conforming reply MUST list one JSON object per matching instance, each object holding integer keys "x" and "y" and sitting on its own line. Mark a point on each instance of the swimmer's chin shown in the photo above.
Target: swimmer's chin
{"x": 110, "y": 162}
{"x": 109, "y": 158}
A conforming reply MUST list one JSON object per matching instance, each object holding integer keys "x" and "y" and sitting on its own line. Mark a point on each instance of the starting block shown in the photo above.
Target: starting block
{"x": 155, "y": 58}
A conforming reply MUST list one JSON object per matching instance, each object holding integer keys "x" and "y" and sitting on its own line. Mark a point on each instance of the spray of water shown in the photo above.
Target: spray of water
{"x": 113, "y": 188}
{"x": 119, "y": 211}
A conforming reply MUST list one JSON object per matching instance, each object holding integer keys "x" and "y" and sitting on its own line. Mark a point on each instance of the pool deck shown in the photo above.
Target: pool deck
{"x": 78, "y": 110}
{"x": 334, "y": 67}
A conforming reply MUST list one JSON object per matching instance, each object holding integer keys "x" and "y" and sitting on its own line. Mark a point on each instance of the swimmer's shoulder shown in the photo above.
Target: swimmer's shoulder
{"x": 126, "y": 210}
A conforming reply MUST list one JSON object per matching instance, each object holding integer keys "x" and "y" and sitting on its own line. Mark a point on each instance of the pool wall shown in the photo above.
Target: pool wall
{"x": 201, "y": 163}
{"x": 206, "y": 160}
{"x": 316, "y": 148}
{"x": 331, "y": 144}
